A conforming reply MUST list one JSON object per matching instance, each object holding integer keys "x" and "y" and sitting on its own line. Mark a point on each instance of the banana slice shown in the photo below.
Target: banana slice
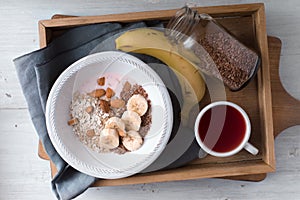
{"x": 132, "y": 141}
{"x": 109, "y": 138}
{"x": 116, "y": 123}
{"x": 138, "y": 104}
{"x": 132, "y": 120}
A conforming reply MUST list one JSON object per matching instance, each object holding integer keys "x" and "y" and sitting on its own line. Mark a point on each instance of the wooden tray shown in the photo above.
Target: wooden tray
{"x": 247, "y": 22}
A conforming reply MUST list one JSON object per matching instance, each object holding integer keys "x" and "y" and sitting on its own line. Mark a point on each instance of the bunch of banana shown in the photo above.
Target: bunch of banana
{"x": 154, "y": 43}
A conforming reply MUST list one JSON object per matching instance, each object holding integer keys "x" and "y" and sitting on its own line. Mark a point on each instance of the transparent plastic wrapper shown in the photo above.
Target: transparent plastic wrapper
{"x": 96, "y": 104}
{"x": 218, "y": 53}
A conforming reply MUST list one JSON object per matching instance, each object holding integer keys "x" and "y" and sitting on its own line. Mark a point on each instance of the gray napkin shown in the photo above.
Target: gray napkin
{"x": 37, "y": 72}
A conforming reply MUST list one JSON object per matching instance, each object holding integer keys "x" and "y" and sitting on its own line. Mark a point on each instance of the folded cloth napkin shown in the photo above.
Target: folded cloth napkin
{"x": 37, "y": 72}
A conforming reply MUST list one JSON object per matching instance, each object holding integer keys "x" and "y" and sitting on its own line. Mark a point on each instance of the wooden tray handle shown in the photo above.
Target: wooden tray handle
{"x": 286, "y": 109}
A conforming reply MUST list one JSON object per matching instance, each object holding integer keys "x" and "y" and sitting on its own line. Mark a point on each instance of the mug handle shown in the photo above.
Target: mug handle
{"x": 251, "y": 149}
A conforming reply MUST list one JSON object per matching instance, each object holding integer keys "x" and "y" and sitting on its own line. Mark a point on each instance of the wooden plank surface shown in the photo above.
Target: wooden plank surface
{"x": 24, "y": 176}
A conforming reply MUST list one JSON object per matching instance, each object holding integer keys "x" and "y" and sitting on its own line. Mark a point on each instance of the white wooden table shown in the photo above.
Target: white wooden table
{"x": 25, "y": 176}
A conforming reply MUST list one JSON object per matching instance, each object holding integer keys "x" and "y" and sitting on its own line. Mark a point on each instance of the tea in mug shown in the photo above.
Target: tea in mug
{"x": 222, "y": 128}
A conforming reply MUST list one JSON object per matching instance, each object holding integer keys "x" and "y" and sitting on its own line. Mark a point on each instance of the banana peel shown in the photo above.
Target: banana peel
{"x": 154, "y": 43}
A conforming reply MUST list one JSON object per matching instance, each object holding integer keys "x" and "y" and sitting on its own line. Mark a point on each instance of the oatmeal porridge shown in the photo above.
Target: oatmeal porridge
{"x": 109, "y": 122}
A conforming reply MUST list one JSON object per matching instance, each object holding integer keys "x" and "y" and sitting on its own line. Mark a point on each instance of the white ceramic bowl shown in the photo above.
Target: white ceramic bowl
{"x": 122, "y": 67}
